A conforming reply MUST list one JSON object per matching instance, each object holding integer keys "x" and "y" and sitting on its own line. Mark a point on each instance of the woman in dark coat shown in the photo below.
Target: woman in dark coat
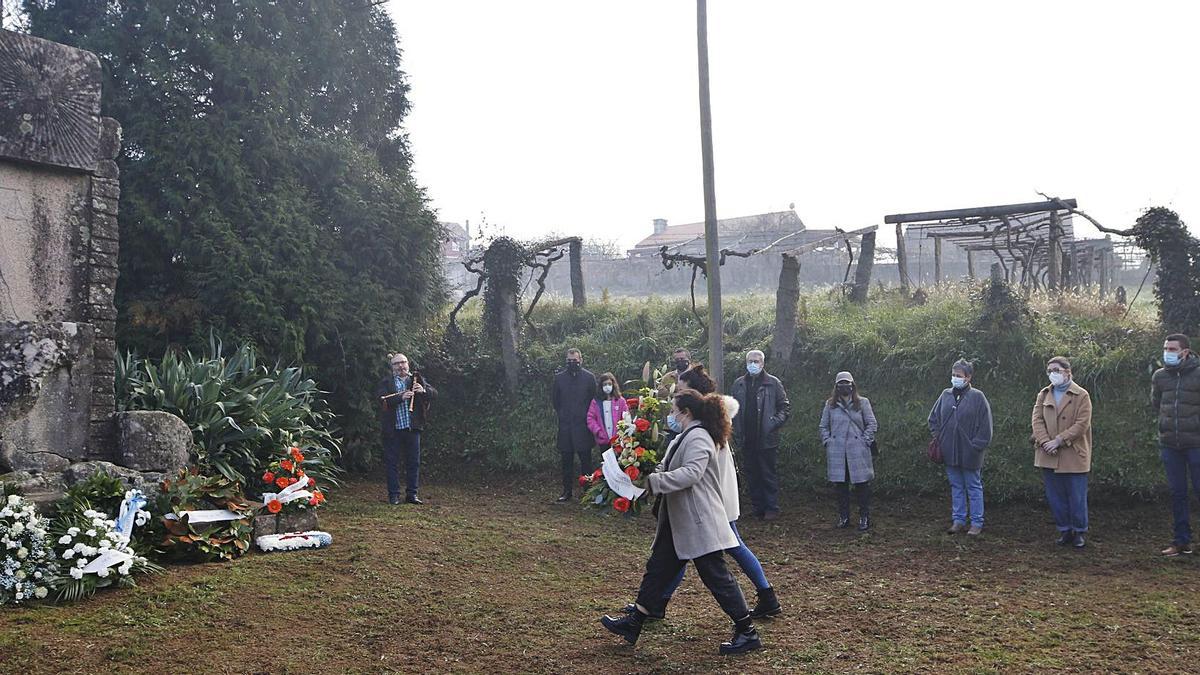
{"x": 961, "y": 422}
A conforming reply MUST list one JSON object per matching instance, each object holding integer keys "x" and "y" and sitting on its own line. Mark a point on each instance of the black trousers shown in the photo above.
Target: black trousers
{"x": 663, "y": 566}
{"x": 862, "y": 494}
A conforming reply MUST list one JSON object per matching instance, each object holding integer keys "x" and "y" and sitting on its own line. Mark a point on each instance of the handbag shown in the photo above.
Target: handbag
{"x": 935, "y": 446}
{"x": 863, "y": 431}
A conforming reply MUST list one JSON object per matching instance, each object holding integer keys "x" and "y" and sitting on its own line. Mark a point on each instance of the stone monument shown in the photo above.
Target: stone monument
{"x": 59, "y": 190}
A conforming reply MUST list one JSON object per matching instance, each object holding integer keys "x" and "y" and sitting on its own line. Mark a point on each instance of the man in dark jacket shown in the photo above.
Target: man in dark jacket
{"x": 763, "y": 409}
{"x": 574, "y": 389}
{"x": 402, "y": 419}
{"x": 1175, "y": 394}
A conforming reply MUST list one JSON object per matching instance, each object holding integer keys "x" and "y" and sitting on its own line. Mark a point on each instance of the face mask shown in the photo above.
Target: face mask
{"x": 607, "y": 388}
{"x": 673, "y": 424}
{"x": 958, "y": 382}
{"x": 754, "y": 368}
{"x": 844, "y": 389}
{"x": 573, "y": 366}
{"x": 681, "y": 365}
{"x": 1057, "y": 379}
{"x": 1171, "y": 358}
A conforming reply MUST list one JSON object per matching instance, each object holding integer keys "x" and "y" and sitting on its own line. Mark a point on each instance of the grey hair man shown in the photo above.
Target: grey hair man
{"x": 763, "y": 409}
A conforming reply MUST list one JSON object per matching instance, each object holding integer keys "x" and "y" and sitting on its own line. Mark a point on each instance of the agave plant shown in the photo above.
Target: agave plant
{"x": 241, "y": 412}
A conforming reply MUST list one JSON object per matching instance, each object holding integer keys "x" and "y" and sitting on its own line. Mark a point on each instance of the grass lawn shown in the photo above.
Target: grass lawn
{"x": 496, "y": 578}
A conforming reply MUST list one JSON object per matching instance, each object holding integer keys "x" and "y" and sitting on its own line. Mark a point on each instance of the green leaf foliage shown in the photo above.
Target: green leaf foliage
{"x": 242, "y": 413}
{"x": 266, "y": 186}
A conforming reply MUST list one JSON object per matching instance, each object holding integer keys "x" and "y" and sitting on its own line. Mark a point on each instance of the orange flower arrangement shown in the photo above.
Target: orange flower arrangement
{"x": 274, "y": 506}
{"x": 285, "y": 471}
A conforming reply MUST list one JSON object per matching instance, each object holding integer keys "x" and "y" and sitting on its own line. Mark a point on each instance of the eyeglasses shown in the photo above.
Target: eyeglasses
{"x": 1051, "y": 371}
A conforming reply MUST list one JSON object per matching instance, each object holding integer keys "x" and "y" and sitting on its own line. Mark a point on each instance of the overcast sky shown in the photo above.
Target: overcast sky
{"x": 582, "y": 117}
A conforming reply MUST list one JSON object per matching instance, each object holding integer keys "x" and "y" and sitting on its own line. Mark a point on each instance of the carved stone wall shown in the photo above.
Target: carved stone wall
{"x": 59, "y": 190}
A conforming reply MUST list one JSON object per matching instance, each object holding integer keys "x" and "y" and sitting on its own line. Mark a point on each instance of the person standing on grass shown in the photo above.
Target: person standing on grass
{"x": 848, "y": 428}
{"x": 1175, "y": 395}
{"x": 572, "y": 394}
{"x": 681, "y": 360}
{"x": 767, "y": 606}
{"x": 961, "y": 421}
{"x": 692, "y": 523}
{"x": 1062, "y": 440}
{"x": 606, "y": 409}
{"x": 763, "y": 409}
{"x": 402, "y": 419}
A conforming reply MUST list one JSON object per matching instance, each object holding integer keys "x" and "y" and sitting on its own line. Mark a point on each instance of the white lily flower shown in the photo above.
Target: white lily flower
{"x": 40, "y": 592}
{"x": 65, "y": 539}
{"x": 73, "y": 531}
{"x": 76, "y": 572}
{"x": 102, "y": 572}
{"x": 68, "y": 554}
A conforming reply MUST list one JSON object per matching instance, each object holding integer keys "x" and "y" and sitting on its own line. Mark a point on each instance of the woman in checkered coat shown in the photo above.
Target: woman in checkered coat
{"x": 848, "y": 429}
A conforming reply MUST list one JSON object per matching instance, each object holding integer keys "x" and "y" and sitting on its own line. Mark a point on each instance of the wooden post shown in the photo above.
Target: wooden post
{"x": 997, "y": 273}
{"x": 937, "y": 260}
{"x": 1052, "y": 276}
{"x": 1105, "y": 255}
{"x": 578, "y": 297}
{"x": 862, "y": 273}
{"x": 971, "y": 264}
{"x": 901, "y": 259}
{"x": 716, "y": 344}
{"x": 786, "y": 297}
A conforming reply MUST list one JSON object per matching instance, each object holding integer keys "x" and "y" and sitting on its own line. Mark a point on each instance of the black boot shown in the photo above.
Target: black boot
{"x": 864, "y": 523}
{"x": 564, "y": 497}
{"x": 631, "y": 608}
{"x": 767, "y": 605}
{"x": 745, "y": 639}
{"x": 628, "y": 626}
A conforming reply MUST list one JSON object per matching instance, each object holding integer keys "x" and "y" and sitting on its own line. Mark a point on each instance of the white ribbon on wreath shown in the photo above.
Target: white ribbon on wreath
{"x": 290, "y": 493}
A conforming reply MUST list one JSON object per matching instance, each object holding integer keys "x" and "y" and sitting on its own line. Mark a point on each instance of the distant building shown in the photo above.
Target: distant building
{"x": 456, "y": 247}
{"x": 742, "y": 233}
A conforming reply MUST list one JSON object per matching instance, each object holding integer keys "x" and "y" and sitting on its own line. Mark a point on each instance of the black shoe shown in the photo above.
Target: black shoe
{"x": 864, "y": 523}
{"x": 1066, "y": 538}
{"x": 843, "y": 522}
{"x": 413, "y": 500}
{"x": 1078, "y": 541}
{"x": 767, "y": 605}
{"x": 393, "y": 500}
{"x": 631, "y": 608}
{"x": 564, "y": 497}
{"x": 628, "y": 626}
{"x": 745, "y": 639}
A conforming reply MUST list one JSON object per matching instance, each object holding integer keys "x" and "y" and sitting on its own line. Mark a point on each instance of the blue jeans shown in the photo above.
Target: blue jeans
{"x": 408, "y": 443}
{"x": 745, "y": 559}
{"x": 1178, "y": 463}
{"x": 1067, "y": 495}
{"x": 966, "y": 486}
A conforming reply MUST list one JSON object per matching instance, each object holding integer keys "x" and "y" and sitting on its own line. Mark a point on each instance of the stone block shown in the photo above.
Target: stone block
{"x": 45, "y": 394}
{"x": 109, "y": 189}
{"x": 107, "y": 168}
{"x": 110, "y": 139}
{"x": 51, "y": 111}
{"x": 105, "y": 348}
{"x": 264, "y": 525}
{"x": 105, "y": 245}
{"x": 152, "y": 440}
{"x": 105, "y": 276}
{"x": 104, "y": 225}
{"x": 102, "y": 259}
{"x": 104, "y": 205}
{"x": 297, "y": 521}
{"x": 130, "y": 478}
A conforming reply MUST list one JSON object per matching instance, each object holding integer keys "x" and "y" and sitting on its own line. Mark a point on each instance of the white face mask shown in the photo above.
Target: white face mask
{"x": 958, "y": 382}
{"x": 607, "y": 388}
{"x": 1057, "y": 379}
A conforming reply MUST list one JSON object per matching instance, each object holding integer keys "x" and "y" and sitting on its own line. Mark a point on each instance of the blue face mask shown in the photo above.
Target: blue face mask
{"x": 673, "y": 424}
{"x": 1171, "y": 358}
{"x": 753, "y": 368}
{"x": 958, "y": 382}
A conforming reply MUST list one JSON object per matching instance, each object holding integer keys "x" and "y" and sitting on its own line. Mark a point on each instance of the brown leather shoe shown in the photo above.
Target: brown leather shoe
{"x": 1175, "y": 549}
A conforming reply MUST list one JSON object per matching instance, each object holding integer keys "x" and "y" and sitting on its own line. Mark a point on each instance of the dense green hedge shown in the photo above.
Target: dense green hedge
{"x": 900, "y": 355}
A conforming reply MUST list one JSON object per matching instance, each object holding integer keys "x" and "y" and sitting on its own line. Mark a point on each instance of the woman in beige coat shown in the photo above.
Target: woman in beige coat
{"x": 692, "y": 523}
{"x": 1062, "y": 440}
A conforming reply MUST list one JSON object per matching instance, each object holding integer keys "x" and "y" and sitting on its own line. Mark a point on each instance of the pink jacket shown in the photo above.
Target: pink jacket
{"x": 595, "y": 419}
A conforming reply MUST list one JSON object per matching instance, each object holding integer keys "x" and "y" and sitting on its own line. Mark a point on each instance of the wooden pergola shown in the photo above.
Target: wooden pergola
{"x": 1029, "y": 237}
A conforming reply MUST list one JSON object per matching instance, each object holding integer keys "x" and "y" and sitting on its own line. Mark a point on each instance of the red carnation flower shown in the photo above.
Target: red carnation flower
{"x": 313, "y": 501}
{"x": 597, "y": 474}
{"x": 632, "y": 403}
{"x": 312, "y": 482}
{"x": 632, "y": 472}
{"x": 268, "y": 477}
{"x": 282, "y": 482}
{"x": 621, "y": 504}
{"x": 614, "y": 440}
{"x": 584, "y": 480}
{"x": 639, "y": 451}
{"x": 286, "y": 464}
{"x": 642, "y": 424}
{"x": 274, "y": 506}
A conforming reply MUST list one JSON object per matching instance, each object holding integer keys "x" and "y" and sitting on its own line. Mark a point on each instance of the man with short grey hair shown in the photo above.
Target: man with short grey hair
{"x": 763, "y": 408}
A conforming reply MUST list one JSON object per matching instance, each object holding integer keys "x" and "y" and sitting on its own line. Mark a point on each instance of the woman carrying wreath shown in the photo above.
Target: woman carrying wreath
{"x": 692, "y": 523}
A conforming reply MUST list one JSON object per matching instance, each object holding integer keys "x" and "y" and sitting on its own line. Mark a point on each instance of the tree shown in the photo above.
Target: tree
{"x": 266, "y": 185}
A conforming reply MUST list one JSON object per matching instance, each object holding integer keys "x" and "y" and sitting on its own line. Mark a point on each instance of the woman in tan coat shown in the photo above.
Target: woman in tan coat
{"x": 1062, "y": 439}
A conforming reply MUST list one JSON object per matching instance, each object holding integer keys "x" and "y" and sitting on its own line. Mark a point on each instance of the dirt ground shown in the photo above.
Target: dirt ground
{"x": 497, "y": 578}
